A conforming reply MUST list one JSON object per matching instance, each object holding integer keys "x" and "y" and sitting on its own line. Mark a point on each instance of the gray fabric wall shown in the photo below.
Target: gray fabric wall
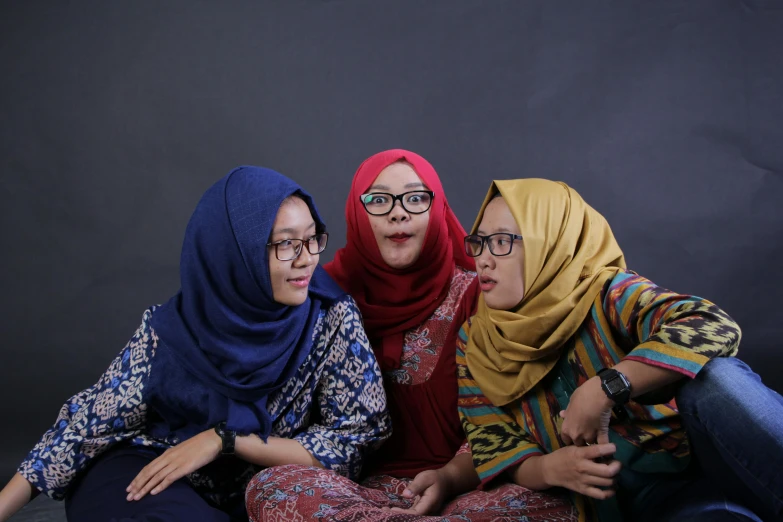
{"x": 116, "y": 116}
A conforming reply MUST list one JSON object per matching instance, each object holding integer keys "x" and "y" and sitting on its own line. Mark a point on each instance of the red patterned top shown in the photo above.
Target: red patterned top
{"x": 423, "y": 344}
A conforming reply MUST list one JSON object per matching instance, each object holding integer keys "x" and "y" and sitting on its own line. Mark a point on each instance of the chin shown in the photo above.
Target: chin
{"x": 495, "y": 304}
{"x": 292, "y": 299}
{"x": 400, "y": 262}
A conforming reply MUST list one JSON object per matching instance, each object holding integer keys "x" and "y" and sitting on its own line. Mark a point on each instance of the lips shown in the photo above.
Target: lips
{"x": 300, "y": 282}
{"x": 399, "y": 237}
{"x": 487, "y": 283}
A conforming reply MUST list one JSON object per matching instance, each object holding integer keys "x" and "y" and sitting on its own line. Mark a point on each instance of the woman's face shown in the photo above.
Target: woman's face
{"x": 399, "y": 234}
{"x": 291, "y": 279}
{"x": 501, "y": 277}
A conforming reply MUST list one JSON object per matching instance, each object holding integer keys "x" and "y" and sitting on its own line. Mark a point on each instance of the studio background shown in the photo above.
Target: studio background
{"x": 116, "y": 116}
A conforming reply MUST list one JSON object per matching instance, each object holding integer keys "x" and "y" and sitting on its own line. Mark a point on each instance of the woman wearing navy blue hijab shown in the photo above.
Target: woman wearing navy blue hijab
{"x": 259, "y": 360}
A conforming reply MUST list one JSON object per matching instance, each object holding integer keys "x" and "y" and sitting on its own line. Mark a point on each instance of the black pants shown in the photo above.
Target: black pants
{"x": 100, "y": 495}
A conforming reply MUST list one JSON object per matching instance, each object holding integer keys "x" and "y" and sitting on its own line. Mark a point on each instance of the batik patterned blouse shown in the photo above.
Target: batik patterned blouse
{"x": 335, "y": 406}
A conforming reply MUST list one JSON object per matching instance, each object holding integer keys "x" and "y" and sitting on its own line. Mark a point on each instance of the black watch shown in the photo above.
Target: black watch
{"x": 228, "y": 437}
{"x": 616, "y": 386}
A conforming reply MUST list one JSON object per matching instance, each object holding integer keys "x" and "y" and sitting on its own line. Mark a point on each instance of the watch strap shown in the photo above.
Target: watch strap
{"x": 227, "y": 437}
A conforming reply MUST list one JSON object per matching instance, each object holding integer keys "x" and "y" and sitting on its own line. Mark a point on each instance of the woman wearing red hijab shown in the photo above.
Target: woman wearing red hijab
{"x": 405, "y": 265}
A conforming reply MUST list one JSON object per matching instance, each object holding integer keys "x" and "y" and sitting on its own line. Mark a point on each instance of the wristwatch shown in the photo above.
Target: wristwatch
{"x": 228, "y": 437}
{"x": 617, "y": 387}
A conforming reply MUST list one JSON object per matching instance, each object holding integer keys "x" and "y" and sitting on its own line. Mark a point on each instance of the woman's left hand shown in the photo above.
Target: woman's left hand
{"x": 586, "y": 419}
{"x": 175, "y": 463}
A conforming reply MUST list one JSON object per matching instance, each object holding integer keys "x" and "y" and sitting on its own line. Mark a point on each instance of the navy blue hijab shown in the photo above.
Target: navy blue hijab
{"x": 224, "y": 328}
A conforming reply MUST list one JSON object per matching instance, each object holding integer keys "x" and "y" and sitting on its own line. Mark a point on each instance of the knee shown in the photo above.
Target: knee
{"x": 287, "y": 473}
{"x": 721, "y": 378}
{"x": 268, "y": 485}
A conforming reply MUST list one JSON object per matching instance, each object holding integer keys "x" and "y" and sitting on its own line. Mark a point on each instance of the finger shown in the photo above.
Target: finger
{"x": 594, "y": 480}
{"x": 566, "y": 439}
{"x": 148, "y": 471}
{"x": 562, "y": 414}
{"x": 154, "y": 481}
{"x": 420, "y": 483}
{"x": 579, "y": 441}
{"x": 425, "y": 505}
{"x": 168, "y": 480}
{"x": 597, "y": 493}
{"x": 603, "y": 437}
{"x": 596, "y": 451}
{"x": 595, "y": 469}
{"x": 408, "y": 509}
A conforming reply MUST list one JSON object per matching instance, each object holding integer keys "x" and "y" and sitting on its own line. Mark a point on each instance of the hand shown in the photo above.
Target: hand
{"x": 429, "y": 490}
{"x": 575, "y": 468}
{"x": 175, "y": 463}
{"x": 586, "y": 419}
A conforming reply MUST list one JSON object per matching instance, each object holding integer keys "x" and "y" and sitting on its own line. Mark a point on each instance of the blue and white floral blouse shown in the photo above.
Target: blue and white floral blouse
{"x": 335, "y": 406}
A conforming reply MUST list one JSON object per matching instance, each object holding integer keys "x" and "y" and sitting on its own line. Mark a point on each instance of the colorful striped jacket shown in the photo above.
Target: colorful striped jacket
{"x": 631, "y": 318}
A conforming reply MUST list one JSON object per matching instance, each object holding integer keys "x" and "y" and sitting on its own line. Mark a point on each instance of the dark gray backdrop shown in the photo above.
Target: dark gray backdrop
{"x": 116, "y": 116}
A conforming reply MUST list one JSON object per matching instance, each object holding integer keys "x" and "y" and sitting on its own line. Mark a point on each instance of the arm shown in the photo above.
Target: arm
{"x": 573, "y": 468}
{"x": 88, "y": 424}
{"x": 435, "y": 487}
{"x": 354, "y": 419}
{"x": 275, "y": 452}
{"x": 500, "y": 445}
{"x": 668, "y": 331}
{"x": 15, "y": 495}
{"x": 672, "y": 336}
{"x": 459, "y": 475}
{"x": 497, "y": 442}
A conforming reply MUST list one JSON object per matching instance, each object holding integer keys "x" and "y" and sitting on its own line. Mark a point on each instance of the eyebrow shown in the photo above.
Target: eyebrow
{"x": 416, "y": 184}
{"x": 291, "y": 230}
{"x": 501, "y": 229}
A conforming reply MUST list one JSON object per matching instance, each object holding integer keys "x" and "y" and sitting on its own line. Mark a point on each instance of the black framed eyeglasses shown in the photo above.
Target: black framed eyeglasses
{"x": 288, "y": 249}
{"x": 499, "y": 244}
{"x": 381, "y": 203}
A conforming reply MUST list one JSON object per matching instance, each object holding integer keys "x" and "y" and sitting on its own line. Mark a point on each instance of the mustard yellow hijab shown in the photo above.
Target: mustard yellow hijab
{"x": 570, "y": 253}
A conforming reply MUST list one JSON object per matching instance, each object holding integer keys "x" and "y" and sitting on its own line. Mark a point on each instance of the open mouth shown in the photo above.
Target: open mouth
{"x": 399, "y": 237}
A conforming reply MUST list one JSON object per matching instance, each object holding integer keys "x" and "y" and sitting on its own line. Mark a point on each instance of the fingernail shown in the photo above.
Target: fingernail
{"x": 129, "y": 497}
{"x": 155, "y": 491}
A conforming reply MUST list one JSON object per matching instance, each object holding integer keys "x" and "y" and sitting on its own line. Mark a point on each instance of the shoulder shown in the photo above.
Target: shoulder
{"x": 141, "y": 348}
{"x": 344, "y": 308}
{"x": 341, "y": 319}
{"x": 145, "y": 334}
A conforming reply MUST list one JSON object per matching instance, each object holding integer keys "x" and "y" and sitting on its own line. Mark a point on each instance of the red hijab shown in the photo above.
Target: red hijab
{"x": 394, "y": 300}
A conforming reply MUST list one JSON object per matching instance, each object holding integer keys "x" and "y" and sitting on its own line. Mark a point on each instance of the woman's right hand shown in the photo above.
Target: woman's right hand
{"x": 575, "y": 468}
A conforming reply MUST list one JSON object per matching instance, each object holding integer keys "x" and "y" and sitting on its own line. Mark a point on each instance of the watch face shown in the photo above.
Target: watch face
{"x": 615, "y": 385}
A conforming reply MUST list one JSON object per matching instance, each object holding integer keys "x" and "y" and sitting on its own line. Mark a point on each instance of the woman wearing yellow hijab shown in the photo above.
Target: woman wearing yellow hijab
{"x": 566, "y": 370}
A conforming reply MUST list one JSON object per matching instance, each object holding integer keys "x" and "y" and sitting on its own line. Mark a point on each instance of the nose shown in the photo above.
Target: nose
{"x": 305, "y": 258}
{"x": 485, "y": 259}
{"x": 398, "y": 212}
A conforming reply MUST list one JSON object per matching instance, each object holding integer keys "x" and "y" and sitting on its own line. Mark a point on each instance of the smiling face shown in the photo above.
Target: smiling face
{"x": 501, "y": 277}
{"x": 399, "y": 234}
{"x": 291, "y": 279}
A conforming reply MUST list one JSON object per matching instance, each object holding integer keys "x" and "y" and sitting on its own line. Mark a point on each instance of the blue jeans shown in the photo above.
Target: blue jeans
{"x": 735, "y": 426}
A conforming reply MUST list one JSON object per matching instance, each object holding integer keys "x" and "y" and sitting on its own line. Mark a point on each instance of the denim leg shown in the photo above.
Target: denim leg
{"x": 735, "y": 426}
{"x": 694, "y": 501}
